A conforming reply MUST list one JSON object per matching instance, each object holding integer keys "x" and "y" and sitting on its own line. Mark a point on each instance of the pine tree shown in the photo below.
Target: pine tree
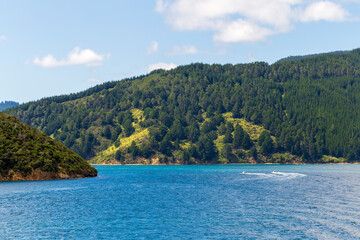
{"x": 238, "y": 136}
{"x": 228, "y": 136}
{"x": 206, "y": 148}
{"x": 254, "y": 153}
{"x": 118, "y": 155}
{"x": 107, "y": 132}
{"x": 246, "y": 141}
{"x": 227, "y": 151}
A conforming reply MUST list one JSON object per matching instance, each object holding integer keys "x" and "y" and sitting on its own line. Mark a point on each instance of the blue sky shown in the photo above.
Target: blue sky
{"x": 57, "y": 47}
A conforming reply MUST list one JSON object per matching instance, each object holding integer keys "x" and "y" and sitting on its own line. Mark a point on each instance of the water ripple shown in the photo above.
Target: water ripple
{"x": 187, "y": 202}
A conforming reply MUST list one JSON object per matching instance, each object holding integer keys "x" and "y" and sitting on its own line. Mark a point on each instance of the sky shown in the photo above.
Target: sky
{"x": 49, "y": 48}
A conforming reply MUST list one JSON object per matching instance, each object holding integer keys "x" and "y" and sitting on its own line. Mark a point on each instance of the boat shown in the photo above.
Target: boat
{"x": 274, "y": 171}
{"x": 244, "y": 172}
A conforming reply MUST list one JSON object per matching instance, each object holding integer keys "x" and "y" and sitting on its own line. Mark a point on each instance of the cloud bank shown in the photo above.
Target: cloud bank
{"x": 161, "y": 65}
{"x": 77, "y": 56}
{"x": 244, "y": 20}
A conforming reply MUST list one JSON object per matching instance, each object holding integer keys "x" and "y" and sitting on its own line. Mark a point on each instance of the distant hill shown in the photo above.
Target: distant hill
{"x": 304, "y": 109}
{"x": 7, "y": 104}
{"x": 26, "y": 154}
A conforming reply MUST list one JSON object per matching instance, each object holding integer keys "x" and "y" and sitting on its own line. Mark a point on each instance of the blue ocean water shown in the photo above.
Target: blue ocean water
{"x": 188, "y": 202}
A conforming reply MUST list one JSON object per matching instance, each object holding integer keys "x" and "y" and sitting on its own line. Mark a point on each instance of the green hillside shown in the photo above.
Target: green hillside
{"x": 26, "y": 154}
{"x": 298, "y": 110}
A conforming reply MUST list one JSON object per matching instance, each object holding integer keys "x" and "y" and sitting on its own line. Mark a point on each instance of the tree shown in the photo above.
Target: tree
{"x": 206, "y": 148}
{"x": 118, "y": 155}
{"x": 166, "y": 119}
{"x": 186, "y": 156}
{"x": 128, "y": 128}
{"x": 227, "y": 151}
{"x": 145, "y": 150}
{"x": 193, "y": 151}
{"x": 246, "y": 141}
{"x": 230, "y": 126}
{"x": 222, "y": 129}
{"x": 153, "y": 144}
{"x": 165, "y": 145}
{"x": 238, "y": 136}
{"x": 193, "y": 132}
{"x": 218, "y": 119}
{"x": 177, "y": 130}
{"x": 264, "y": 134}
{"x": 107, "y": 132}
{"x": 116, "y": 133}
{"x": 228, "y": 134}
{"x": 134, "y": 150}
{"x": 267, "y": 146}
{"x": 236, "y": 111}
{"x": 208, "y": 126}
{"x": 254, "y": 153}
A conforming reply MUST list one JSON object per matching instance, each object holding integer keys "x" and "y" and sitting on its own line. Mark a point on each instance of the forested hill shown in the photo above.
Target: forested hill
{"x": 7, "y": 104}
{"x": 304, "y": 110}
{"x": 26, "y": 154}
{"x": 296, "y": 58}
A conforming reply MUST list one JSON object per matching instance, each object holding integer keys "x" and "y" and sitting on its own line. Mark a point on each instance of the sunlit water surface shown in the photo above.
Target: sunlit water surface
{"x": 188, "y": 202}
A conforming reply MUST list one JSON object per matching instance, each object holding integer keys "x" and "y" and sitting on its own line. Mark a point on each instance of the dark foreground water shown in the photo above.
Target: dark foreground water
{"x": 188, "y": 202}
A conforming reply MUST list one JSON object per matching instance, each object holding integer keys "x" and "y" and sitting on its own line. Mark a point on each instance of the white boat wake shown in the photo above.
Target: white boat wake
{"x": 276, "y": 175}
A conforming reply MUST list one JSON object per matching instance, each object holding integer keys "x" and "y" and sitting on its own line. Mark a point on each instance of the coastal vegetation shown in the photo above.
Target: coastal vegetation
{"x": 299, "y": 109}
{"x": 27, "y": 154}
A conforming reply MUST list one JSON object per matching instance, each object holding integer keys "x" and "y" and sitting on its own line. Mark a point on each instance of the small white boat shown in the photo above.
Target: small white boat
{"x": 244, "y": 172}
{"x": 274, "y": 171}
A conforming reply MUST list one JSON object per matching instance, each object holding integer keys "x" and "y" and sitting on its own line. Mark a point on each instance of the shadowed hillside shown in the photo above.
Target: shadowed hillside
{"x": 26, "y": 154}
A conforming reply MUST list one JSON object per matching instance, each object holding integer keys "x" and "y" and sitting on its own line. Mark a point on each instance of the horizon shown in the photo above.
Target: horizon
{"x": 56, "y": 48}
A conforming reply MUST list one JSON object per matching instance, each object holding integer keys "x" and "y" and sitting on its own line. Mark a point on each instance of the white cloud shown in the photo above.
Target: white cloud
{"x": 325, "y": 10}
{"x": 161, "y": 65}
{"x": 77, "y": 56}
{"x": 160, "y": 6}
{"x": 242, "y": 31}
{"x": 244, "y": 20}
{"x": 183, "y": 50}
{"x": 153, "y": 48}
{"x": 93, "y": 80}
{"x": 2, "y": 38}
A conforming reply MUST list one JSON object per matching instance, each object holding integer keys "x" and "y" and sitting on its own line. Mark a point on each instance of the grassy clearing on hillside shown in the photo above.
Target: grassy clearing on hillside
{"x": 331, "y": 159}
{"x": 138, "y": 116}
{"x": 219, "y": 143}
{"x": 138, "y": 138}
{"x": 140, "y": 135}
{"x": 82, "y": 101}
{"x": 185, "y": 144}
{"x": 252, "y": 129}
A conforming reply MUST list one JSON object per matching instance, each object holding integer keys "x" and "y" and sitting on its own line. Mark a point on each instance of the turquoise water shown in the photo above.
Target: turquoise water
{"x": 188, "y": 202}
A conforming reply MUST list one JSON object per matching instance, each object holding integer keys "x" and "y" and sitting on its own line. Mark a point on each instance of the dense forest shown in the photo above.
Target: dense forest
{"x": 7, "y": 104}
{"x": 295, "y": 110}
{"x": 26, "y": 154}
